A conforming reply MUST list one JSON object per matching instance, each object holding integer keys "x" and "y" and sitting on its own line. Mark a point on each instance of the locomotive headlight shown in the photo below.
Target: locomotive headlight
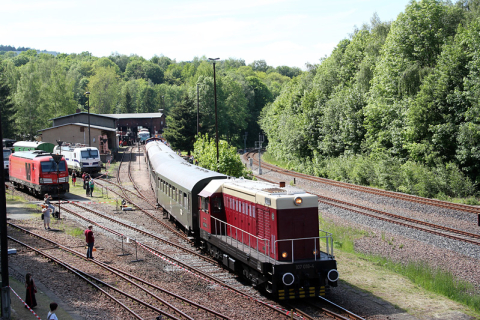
{"x": 315, "y": 252}
{"x": 40, "y": 180}
{"x": 298, "y": 201}
{"x": 284, "y": 254}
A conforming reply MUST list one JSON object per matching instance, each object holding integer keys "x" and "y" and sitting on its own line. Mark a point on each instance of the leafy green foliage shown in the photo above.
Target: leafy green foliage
{"x": 229, "y": 163}
{"x": 6, "y": 106}
{"x": 395, "y": 105}
{"x": 181, "y": 131}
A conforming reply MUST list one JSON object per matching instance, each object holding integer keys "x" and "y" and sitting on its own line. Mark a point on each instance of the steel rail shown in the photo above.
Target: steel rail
{"x": 77, "y": 273}
{"x": 146, "y": 233}
{"x": 391, "y": 194}
{"x": 166, "y": 225}
{"x": 213, "y": 279}
{"x": 123, "y": 274}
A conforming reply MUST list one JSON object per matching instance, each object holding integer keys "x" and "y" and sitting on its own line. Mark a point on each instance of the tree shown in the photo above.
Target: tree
{"x": 229, "y": 162}
{"x": 104, "y": 87}
{"x": 181, "y": 129}
{"x": 28, "y": 118}
{"x": 6, "y": 107}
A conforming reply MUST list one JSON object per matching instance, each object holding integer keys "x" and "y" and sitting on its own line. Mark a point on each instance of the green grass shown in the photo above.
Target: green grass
{"x": 268, "y": 158}
{"x": 429, "y": 278}
{"x": 74, "y": 232}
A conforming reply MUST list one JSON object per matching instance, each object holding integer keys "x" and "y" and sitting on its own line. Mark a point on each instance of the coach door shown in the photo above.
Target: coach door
{"x": 27, "y": 172}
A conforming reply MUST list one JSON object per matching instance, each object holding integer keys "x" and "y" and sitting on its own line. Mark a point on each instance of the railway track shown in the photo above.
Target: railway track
{"x": 390, "y": 194}
{"x": 179, "y": 308}
{"x": 425, "y": 226}
{"x": 201, "y": 265}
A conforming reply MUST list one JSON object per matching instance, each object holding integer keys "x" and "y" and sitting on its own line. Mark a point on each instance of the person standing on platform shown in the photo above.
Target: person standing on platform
{"x": 92, "y": 186}
{"x": 90, "y": 239}
{"x": 74, "y": 177}
{"x": 31, "y": 290}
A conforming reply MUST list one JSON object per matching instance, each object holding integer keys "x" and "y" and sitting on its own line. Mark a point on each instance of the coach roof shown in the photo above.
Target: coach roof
{"x": 172, "y": 167}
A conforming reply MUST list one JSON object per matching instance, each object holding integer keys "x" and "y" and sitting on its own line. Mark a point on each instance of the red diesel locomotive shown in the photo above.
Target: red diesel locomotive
{"x": 37, "y": 172}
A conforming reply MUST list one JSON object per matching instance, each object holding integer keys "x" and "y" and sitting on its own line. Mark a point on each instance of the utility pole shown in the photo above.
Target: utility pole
{"x": 245, "y": 142}
{"x": 258, "y": 144}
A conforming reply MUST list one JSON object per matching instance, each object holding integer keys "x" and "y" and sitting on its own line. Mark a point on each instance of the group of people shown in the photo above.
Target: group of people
{"x": 31, "y": 301}
{"x": 88, "y": 184}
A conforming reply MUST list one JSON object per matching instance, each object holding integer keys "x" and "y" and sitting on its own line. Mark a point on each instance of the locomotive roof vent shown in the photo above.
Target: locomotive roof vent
{"x": 274, "y": 190}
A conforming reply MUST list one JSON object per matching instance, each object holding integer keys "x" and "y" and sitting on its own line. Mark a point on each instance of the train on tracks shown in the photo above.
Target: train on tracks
{"x": 80, "y": 158}
{"x": 265, "y": 232}
{"x": 37, "y": 172}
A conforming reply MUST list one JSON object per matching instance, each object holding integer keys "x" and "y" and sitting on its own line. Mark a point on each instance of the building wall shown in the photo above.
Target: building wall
{"x": 74, "y": 134}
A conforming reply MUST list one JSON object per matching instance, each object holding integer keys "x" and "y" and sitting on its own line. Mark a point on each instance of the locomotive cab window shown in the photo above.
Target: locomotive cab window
{"x": 51, "y": 166}
{"x": 89, "y": 154}
{"x": 205, "y": 204}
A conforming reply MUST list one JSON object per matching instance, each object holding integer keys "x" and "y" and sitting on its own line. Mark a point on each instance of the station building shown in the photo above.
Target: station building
{"x": 106, "y": 130}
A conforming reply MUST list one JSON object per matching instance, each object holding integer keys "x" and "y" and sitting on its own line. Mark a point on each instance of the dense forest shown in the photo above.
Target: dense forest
{"x": 395, "y": 105}
{"x": 41, "y": 87}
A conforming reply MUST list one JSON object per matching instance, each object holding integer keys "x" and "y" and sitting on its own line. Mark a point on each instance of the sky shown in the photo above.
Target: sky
{"x": 281, "y": 32}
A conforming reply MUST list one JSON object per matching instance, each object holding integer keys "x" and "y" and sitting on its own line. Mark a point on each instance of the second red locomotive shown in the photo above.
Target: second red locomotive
{"x": 37, "y": 172}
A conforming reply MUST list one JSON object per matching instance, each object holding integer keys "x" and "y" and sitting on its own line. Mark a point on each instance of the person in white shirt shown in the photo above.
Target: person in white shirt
{"x": 51, "y": 315}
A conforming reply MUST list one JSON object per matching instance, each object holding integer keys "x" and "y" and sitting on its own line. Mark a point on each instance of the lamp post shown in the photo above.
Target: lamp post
{"x": 88, "y": 108}
{"x": 215, "y": 94}
{"x": 59, "y": 142}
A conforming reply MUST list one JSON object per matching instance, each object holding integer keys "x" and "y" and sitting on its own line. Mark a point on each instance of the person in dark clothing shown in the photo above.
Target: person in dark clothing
{"x": 87, "y": 186}
{"x": 84, "y": 177}
{"x": 31, "y": 290}
{"x": 74, "y": 177}
{"x": 90, "y": 239}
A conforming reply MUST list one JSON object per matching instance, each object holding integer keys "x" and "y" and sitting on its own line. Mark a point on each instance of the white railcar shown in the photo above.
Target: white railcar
{"x": 81, "y": 159}
{"x": 6, "y": 154}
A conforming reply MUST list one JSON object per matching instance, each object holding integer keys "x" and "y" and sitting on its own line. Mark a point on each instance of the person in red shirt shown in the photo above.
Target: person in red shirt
{"x": 90, "y": 241}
